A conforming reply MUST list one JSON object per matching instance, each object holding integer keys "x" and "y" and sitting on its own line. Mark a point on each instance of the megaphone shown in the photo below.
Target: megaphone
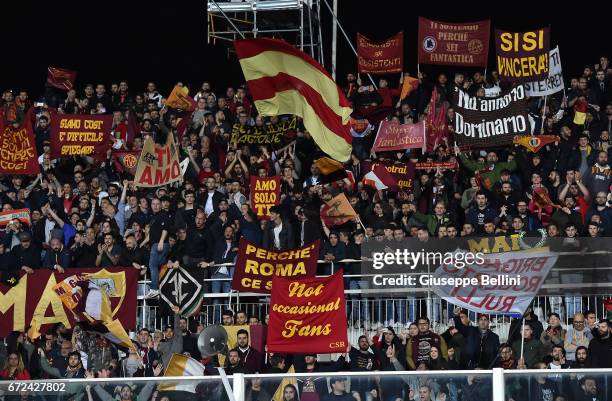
{"x": 212, "y": 341}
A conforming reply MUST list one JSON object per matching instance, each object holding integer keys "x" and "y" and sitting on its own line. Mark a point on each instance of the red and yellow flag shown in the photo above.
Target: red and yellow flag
{"x": 408, "y": 86}
{"x": 284, "y": 80}
{"x": 179, "y": 99}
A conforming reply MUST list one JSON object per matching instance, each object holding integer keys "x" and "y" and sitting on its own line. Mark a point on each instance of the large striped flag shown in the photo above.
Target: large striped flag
{"x": 284, "y": 80}
{"x": 379, "y": 178}
{"x": 182, "y": 365}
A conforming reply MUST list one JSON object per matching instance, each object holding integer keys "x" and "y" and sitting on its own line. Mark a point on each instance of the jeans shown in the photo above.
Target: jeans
{"x": 156, "y": 259}
{"x": 359, "y": 310}
{"x": 219, "y": 286}
{"x": 573, "y": 300}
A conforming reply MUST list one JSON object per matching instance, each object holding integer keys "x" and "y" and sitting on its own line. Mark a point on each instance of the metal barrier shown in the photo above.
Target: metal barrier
{"x": 365, "y": 316}
{"x": 492, "y": 384}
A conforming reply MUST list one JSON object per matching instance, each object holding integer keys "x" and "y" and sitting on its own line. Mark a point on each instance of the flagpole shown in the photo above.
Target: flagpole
{"x": 336, "y": 21}
{"x": 334, "y": 40}
{"x": 362, "y": 226}
{"x": 543, "y": 115}
{"x": 522, "y": 338}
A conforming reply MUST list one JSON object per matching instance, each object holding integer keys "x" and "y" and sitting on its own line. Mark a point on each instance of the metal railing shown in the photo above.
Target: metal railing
{"x": 496, "y": 381}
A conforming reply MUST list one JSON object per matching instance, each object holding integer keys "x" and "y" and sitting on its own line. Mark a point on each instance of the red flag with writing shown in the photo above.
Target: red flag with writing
{"x": 17, "y": 148}
{"x": 80, "y": 135}
{"x": 382, "y": 57}
{"x": 308, "y": 315}
{"x": 265, "y": 193}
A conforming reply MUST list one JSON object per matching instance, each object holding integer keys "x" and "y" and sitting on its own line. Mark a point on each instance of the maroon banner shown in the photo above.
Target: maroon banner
{"x": 382, "y": 57}
{"x": 83, "y": 135}
{"x": 447, "y": 43}
{"x": 265, "y": 193}
{"x": 257, "y": 266}
{"x": 17, "y": 148}
{"x": 523, "y": 56}
{"x": 402, "y": 172}
{"x": 394, "y": 136}
{"x": 34, "y": 298}
{"x": 61, "y": 78}
{"x": 308, "y": 316}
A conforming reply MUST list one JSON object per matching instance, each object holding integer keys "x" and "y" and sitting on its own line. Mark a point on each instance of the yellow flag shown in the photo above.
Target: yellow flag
{"x": 278, "y": 394}
{"x": 34, "y": 331}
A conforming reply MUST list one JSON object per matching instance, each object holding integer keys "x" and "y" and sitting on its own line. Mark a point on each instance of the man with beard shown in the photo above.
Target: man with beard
{"x": 581, "y": 356}
{"x": 600, "y": 347}
{"x": 362, "y": 360}
{"x": 588, "y": 390}
{"x": 233, "y": 363}
{"x": 601, "y": 208}
{"x": 133, "y": 255}
{"x": 250, "y": 358}
{"x": 190, "y": 341}
{"x": 57, "y": 258}
{"x": 74, "y": 370}
{"x": 599, "y": 177}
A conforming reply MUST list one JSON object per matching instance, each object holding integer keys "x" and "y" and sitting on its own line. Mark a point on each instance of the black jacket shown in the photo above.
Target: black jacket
{"x": 28, "y": 257}
{"x": 600, "y": 351}
{"x": 202, "y": 198}
{"x": 481, "y": 349}
{"x": 286, "y": 238}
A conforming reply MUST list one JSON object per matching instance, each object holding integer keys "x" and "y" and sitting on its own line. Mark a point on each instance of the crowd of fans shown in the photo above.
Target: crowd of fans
{"x": 87, "y": 212}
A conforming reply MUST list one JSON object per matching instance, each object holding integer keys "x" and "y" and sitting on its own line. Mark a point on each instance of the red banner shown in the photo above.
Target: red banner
{"x": 61, "y": 78}
{"x": 265, "y": 193}
{"x": 308, "y": 316}
{"x": 447, "y": 43}
{"x": 34, "y": 298}
{"x": 380, "y": 57}
{"x": 23, "y": 215}
{"x": 394, "y": 136}
{"x": 86, "y": 135}
{"x": 523, "y": 56}
{"x": 402, "y": 172}
{"x": 257, "y": 266}
{"x": 17, "y": 148}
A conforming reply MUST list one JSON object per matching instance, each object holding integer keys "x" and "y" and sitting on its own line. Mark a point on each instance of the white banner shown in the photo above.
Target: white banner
{"x": 554, "y": 82}
{"x": 504, "y": 284}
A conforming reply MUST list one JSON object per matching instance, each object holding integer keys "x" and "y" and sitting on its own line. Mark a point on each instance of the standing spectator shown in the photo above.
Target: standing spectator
{"x": 278, "y": 233}
{"x": 481, "y": 343}
{"x": 417, "y": 348}
{"x": 57, "y": 258}
{"x": 158, "y": 238}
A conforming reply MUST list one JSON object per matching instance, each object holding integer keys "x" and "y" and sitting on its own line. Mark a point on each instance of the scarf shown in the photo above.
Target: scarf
{"x": 509, "y": 364}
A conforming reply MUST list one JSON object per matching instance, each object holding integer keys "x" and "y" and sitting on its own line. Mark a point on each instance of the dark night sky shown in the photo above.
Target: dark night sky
{"x": 140, "y": 41}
